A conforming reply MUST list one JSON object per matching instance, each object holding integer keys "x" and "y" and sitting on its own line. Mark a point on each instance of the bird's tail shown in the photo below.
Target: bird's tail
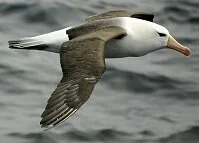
{"x": 50, "y": 42}
{"x": 29, "y": 43}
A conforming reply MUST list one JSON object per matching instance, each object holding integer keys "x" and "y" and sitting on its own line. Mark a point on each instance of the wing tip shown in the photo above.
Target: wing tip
{"x": 56, "y": 123}
{"x": 46, "y": 128}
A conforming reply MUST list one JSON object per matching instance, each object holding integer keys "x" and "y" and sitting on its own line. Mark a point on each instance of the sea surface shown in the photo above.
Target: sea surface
{"x": 150, "y": 99}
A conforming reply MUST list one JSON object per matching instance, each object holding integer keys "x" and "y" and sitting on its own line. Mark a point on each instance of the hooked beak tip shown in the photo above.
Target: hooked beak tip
{"x": 173, "y": 44}
{"x": 187, "y": 52}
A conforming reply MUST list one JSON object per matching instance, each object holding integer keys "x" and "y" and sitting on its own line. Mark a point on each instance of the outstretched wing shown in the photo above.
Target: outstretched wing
{"x": 83, "y": 63}
{"x": 120, "y": 13}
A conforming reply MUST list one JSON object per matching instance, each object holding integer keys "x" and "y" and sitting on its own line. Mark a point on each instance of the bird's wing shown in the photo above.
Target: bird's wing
{"x": 120, "y": 13}
{"x": 83, "y": 63}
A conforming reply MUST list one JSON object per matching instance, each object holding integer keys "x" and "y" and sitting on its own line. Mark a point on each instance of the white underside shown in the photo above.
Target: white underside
{"x": 54, "y": 40}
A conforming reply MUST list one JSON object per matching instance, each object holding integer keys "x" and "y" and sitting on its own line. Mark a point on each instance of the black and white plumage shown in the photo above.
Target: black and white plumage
{"x": 83, "y": 49}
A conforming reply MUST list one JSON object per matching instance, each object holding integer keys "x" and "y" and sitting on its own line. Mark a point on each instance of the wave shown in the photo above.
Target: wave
{"x": 155, "y": 85}
{"x": 190, "y": 135}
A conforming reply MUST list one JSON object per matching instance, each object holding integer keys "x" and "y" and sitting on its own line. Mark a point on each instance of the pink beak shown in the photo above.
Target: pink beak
{"x": 173, "y": 44}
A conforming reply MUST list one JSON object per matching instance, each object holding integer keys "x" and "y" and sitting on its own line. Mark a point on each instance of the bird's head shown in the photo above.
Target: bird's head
{"x": 168, "y": 41}
{"x": 149, "y": 37}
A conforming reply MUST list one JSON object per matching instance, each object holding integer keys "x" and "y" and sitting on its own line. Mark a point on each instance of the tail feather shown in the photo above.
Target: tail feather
{"x": 27, "y": 43}
{"x": 50, "y": 42}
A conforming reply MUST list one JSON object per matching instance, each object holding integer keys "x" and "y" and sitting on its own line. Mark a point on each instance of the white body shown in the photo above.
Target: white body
{"x": 142, "y": 37}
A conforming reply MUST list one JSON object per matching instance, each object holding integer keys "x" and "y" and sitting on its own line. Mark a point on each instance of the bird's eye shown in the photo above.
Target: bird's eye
{"x": 161, "y": 34}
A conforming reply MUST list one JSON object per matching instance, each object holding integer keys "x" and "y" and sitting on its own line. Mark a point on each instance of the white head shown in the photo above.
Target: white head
{"x": 147, "y": 37}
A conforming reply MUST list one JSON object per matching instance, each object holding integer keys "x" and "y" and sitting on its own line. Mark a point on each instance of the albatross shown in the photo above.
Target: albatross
{"x": 83, "y": 49}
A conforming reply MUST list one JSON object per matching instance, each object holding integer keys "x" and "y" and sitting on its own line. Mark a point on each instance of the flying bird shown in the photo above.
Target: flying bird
{"x": 83, "y": 49}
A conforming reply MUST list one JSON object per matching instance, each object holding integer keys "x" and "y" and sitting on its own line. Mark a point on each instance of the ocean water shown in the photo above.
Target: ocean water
{"x": 150, "y": 99}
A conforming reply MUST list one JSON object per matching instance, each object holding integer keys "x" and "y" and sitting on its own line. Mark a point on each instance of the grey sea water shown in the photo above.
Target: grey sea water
{"x": 151, "y": 99}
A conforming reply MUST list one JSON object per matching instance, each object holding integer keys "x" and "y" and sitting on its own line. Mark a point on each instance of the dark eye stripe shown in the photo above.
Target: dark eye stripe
{"x": 162, "y": 34}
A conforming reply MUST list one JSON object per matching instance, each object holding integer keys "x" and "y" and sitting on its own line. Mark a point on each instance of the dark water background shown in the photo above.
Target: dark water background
{"x": 152, "y": 99}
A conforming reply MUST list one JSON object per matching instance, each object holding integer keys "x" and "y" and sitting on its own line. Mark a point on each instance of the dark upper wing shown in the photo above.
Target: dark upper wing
{"x": 83, "y": 63}
{"x": 120, "y": 13}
